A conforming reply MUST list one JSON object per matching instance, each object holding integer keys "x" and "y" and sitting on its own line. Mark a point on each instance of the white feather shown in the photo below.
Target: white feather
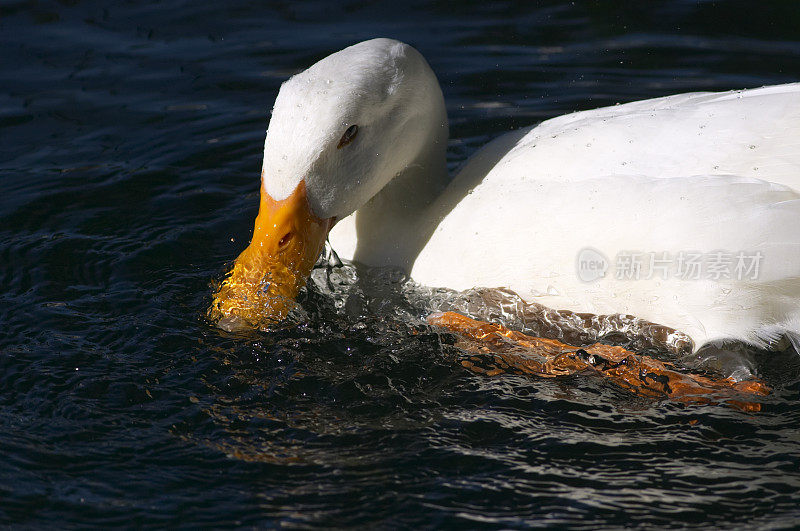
{"x": 700, "y": 173}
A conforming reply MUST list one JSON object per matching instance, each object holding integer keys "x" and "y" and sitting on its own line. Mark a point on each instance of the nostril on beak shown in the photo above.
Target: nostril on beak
{"x": 285, "y": 240}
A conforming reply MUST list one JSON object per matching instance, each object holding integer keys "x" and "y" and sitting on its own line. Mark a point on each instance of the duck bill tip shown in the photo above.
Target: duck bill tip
{"x": 266, "y": 277}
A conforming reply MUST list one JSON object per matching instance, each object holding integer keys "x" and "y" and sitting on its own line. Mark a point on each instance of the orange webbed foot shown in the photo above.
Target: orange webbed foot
{"x": 497, "y": 350}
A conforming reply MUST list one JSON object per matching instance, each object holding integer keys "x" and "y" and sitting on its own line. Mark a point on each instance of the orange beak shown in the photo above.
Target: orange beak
{"x": 261, "y": 287}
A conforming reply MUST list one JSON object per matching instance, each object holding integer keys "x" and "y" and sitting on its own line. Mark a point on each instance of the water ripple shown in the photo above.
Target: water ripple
{"x": 132, "y": 136}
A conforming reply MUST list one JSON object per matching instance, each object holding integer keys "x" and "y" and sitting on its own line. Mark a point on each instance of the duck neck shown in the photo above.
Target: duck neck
{"x": 388, "y": 224}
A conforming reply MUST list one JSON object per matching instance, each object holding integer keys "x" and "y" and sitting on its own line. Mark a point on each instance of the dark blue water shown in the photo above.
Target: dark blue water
{"x": 130, "y": 151}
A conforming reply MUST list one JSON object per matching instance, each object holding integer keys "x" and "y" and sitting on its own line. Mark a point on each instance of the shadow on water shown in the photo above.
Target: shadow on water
{"x": 129, "y": 163}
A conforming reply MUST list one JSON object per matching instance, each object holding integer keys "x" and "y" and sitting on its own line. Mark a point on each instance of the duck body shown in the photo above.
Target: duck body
{"x": 708, "y": 175}
{"x": 683, "y": 210}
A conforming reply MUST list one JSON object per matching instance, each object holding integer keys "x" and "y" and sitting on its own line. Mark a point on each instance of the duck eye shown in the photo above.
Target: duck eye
{"x": 348, "y": 136}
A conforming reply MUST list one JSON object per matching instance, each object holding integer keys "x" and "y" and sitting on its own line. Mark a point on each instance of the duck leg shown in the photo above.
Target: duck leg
{"x": 497, "y": 350}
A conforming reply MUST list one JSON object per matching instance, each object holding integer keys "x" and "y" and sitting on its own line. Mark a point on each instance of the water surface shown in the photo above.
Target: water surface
{"x": 130, "y": 151}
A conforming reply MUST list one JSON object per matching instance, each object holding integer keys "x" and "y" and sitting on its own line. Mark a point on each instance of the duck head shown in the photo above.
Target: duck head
{"x": 339, "y": 132}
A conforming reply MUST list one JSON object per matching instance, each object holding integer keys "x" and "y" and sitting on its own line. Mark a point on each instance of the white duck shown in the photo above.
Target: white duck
{"x": 358, "y": 140}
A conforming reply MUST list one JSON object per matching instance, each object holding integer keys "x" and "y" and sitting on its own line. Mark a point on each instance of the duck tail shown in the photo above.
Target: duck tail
{"x": 777, "y": 336}
{"x": 794, "y": 339}
{"x": 781, "y": 337}
{"x": 792, "y": 331}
